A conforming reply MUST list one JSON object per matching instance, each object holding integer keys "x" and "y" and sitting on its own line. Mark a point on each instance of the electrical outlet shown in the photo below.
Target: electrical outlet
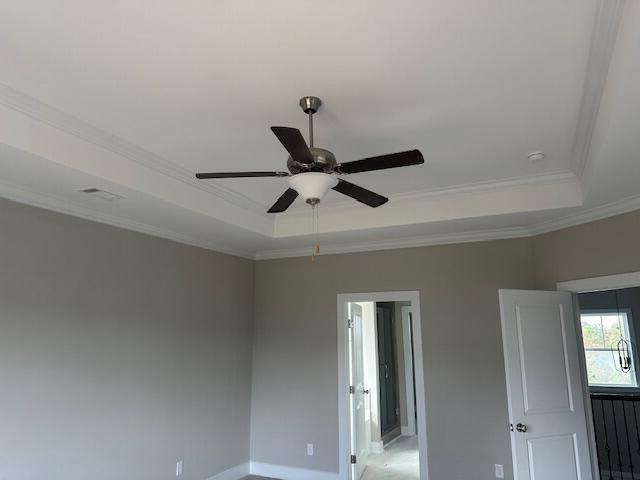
{"x": 310, "y": 449}
{"x": 499, "y": 471}
{"x": 178, "y": 468}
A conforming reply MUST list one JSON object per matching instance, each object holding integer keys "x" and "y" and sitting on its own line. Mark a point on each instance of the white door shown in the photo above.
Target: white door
{"x": 356, "y": 376}
{"x": 549, "y": 437}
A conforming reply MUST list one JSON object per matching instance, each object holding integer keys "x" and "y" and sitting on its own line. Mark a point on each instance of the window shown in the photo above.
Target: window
{"x": 601, "y": 333}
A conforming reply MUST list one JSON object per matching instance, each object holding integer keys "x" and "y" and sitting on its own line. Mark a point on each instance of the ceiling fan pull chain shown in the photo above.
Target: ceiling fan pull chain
{"x": 314, "y": 230}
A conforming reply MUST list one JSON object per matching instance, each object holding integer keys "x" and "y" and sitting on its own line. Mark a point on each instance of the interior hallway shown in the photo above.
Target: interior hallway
{"x": 399, "y": 461}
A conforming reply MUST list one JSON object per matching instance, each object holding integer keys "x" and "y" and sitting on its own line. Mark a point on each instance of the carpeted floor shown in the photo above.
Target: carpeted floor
{"x": 399, "y": 461}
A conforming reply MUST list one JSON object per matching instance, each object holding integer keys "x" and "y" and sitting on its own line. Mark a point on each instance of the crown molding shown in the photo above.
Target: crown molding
{"x": 515, "y": 195}
{"x": 69, "y": 124}
{"x": 50, "y": 202}
{"x": 603, "y": 41}
{"x": 396, "y": 243}
{"x": 562, "y": 176}
{"x": 626, "y": 205}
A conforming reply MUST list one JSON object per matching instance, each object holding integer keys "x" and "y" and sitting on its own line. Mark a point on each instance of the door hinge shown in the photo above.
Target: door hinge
{"x": 352, "y": 389}
{"x": 353, "y": 459}
{"x": 349, "y": 323}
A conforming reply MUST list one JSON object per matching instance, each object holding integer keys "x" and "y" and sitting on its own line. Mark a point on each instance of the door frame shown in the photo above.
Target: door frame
{"x": 406, "y": 315}
{"x": 584, "y": 285}
{"x": 412, "y": 296}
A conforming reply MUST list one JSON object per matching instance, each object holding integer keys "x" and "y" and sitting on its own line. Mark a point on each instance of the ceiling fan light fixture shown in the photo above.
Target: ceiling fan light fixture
{"x": 312, "y": 185}
{"x": 313, "y": 170}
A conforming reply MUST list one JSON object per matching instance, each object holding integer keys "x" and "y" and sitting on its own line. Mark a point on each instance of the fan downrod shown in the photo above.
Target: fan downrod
{"x": 323, "y": 160}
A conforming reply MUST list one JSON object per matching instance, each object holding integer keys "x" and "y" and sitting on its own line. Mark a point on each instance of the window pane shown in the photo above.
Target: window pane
{"x": 601, "y": 369}
{"x": 592, "y": 331}
{"x": 613, "y": 328}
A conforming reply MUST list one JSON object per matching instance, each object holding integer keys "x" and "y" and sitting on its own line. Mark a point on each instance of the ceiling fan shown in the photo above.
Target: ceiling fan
{"x": 313, "y": 171}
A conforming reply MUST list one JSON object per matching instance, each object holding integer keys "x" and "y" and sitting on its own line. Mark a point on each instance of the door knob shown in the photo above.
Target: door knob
{"x": 521, "y": 428}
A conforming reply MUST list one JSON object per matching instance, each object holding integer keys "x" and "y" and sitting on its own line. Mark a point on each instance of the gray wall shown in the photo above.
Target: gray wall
{"x": 605, "y": 247}
{"x": 119, "y": 352}
{"x": 295, "y": 353}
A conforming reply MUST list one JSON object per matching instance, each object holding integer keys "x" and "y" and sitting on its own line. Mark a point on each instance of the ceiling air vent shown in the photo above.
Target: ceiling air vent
{"x": 103, "y": 194}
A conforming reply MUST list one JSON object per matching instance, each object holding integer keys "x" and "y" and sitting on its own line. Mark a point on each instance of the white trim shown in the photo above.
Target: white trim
{"x": 69, "y": 124}
{"x": 55, "y": 204}
{"x": 343, "y": 390}
{"x": 596, "y": 284}
{"x": 603, "y": 40}
{"x": 394, "y": 439}
{"x": 559, "y": 177}
{"x": 394, "y": 243}
{"x": 588, "y": 411}
{"x": 410, "y": 428}
{"x": 75, "y": 128}
{"x": 625, "y": 205}
{"x": 233, "y": 473}
{"x": 283, "y": 472}
{"x": 550, "y": 192}
{"x": 620, "y": 207}
{"x": 593, "y": 284}
{"x": 48, "y": 202}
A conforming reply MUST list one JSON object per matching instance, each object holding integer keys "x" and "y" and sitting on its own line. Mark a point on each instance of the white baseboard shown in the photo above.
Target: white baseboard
{"x": 289, "y": 473}
{"x": 376, "y": 447}
{"x": 233, "y": 473}
{"x": 393, "y": 440}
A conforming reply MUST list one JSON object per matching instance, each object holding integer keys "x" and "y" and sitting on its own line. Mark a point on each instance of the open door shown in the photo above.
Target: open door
{"x": 549, "y": 438}
{"x": 358, "y": 392}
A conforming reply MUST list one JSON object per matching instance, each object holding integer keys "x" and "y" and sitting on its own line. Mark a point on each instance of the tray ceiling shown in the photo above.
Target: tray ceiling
{"x": 136, "y": 97}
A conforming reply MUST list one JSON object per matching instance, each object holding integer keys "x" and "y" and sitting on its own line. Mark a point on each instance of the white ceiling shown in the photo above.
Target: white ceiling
{"x": 135, "y": 96}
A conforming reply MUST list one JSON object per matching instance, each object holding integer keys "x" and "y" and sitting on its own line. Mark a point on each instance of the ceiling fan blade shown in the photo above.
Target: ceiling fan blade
{"x": 294, "y": 142}
{"x": 241, "y": 174}
{"x": 285, "y": 200}
{"x": 393, "y": 160}
{"x": 360, "y": 194}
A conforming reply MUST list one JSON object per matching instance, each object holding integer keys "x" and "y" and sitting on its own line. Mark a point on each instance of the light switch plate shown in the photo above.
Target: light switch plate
{"x": 499, "y": 471}
{"x": 178, "y": 468}
{"x": 310, "y": 449}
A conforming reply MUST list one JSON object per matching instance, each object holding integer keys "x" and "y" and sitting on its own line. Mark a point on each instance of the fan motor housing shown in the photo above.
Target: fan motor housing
{"x": 323, "y": 161}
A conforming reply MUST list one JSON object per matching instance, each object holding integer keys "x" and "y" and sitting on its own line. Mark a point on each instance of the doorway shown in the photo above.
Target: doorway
{"x": 388, "y": 386}
{"x": 609, "y": 323}
{"x": 382, "y": 414}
